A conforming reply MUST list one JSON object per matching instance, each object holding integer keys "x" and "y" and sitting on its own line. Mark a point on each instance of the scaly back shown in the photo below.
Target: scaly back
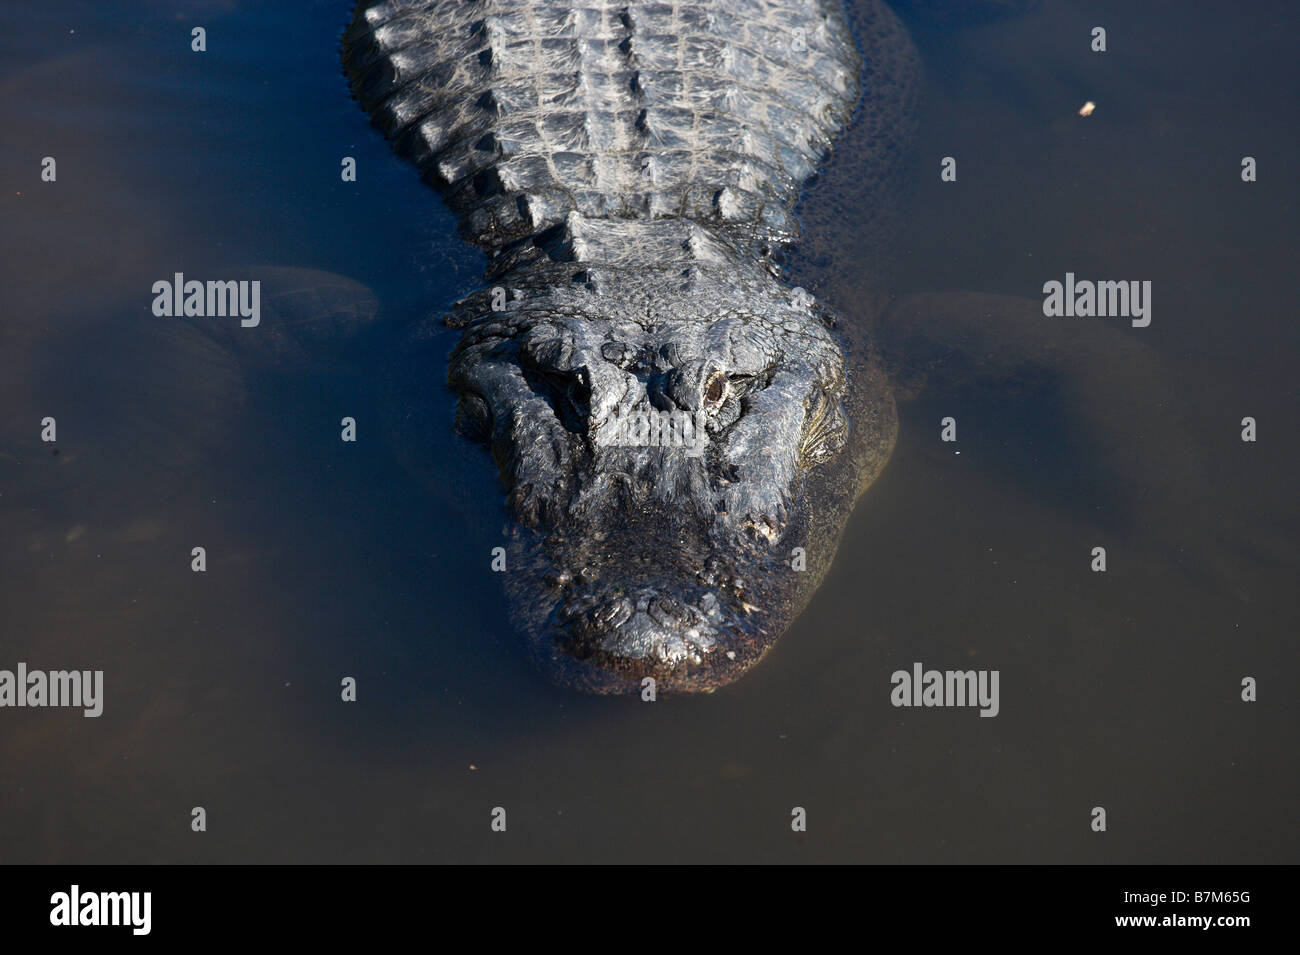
{"x": 534, "y": 114}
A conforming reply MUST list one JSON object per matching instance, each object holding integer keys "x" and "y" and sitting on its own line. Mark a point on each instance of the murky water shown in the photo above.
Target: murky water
{"x": 328, "y": 560}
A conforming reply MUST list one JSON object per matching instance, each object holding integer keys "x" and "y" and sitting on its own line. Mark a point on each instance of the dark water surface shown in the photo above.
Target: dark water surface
{"x": 328, "y": 559}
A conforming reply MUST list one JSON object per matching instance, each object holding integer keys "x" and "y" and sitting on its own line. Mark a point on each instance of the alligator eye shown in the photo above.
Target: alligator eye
{"x": 715, "y": 389}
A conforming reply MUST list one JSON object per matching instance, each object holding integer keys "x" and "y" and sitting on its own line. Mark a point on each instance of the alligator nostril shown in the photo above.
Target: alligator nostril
{"x": 613, "y": 615}
{"x": 667, "y": 612}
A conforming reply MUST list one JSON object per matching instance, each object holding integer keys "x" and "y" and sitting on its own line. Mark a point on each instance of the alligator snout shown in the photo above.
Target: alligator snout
{"x": 646, "y": 626}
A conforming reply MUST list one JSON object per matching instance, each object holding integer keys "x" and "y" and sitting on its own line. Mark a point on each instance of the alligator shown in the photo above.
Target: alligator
{"x": 631, "y": 170}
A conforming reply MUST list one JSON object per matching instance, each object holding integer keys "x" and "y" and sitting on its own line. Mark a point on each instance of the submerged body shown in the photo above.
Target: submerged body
{"x": 680, "y": 433}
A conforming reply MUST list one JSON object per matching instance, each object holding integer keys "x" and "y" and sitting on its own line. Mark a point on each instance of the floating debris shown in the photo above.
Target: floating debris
{"x": 1087, "y": 108}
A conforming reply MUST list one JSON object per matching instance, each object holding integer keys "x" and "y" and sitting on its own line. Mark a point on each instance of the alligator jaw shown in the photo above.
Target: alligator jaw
{"x": 635, "y": 608}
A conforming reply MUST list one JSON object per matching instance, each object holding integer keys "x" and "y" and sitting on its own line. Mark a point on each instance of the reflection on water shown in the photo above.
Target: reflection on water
{"x": 327, "y": 560}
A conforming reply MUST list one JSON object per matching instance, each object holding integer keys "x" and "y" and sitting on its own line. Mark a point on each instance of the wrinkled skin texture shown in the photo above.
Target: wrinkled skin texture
{"x": 631, "y": 171}
{"x": 659, "y": 558}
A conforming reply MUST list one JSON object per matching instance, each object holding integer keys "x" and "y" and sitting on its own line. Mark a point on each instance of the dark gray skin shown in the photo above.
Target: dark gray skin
{"x": 631, "y": 172}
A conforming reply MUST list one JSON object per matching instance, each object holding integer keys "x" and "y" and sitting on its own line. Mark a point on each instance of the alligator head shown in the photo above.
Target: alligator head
{"x": 655, "y": 430}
